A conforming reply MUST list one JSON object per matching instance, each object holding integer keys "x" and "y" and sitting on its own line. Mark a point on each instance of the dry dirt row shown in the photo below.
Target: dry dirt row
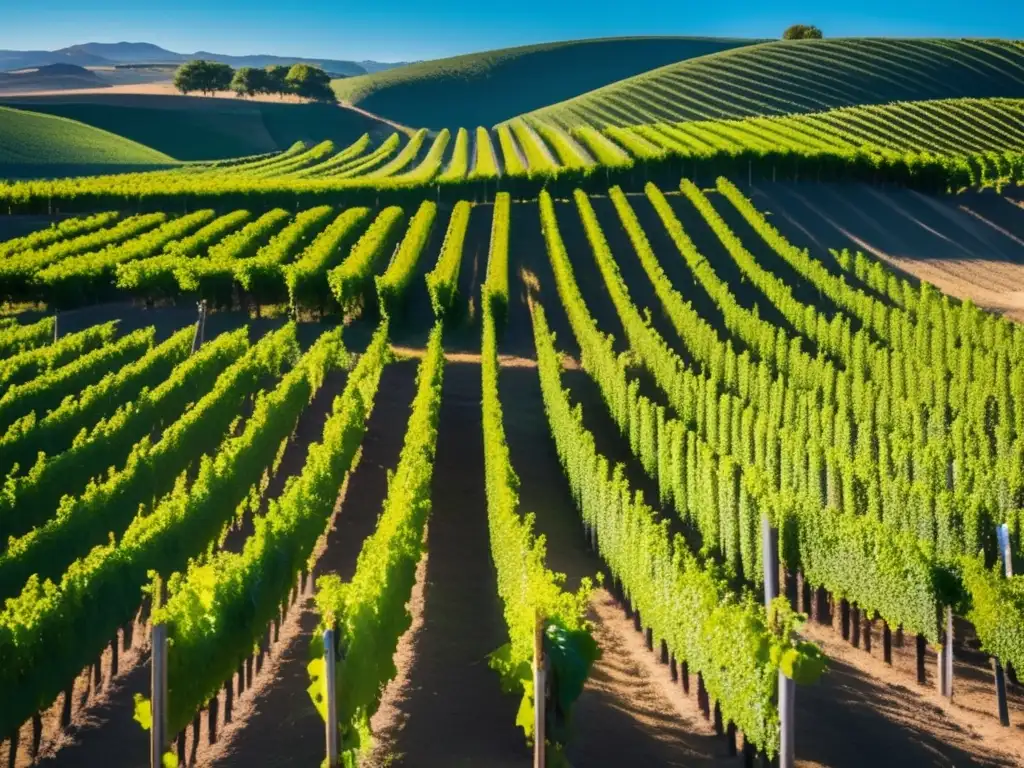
{"x": 969, "y": 245}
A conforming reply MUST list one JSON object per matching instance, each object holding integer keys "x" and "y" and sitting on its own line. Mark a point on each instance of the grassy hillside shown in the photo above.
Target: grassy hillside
{"x": 784, "y": 77}
{"x": 486, "y": 88}
{"x": 53, "y": 144}
{"x": 194, "y": 128}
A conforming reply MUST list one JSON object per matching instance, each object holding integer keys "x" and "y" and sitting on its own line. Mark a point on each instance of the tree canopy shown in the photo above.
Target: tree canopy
{"x": 277, "y": 78}
{"x": 248, "y": 81}
{"x": 303, "y": 80}
{"x": 310, "y": 82}
{"x": 802, "y": 32}
{"x": 203, "y": 76}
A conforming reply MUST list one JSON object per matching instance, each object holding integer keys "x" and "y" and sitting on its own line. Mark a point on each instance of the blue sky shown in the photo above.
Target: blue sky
{"x": 419, "y": 29}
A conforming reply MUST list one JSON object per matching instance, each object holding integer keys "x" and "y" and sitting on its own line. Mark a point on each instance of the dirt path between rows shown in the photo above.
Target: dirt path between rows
{"x": 277, "y": 725}
{"x": 969, "y": 245}
{"x": 630, "y": 713}
{"x": 449, "y": 709}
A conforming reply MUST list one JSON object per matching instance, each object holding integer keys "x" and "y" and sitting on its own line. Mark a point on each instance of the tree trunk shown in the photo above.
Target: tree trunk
{"x": 69, "y": 699}
{"x": 37, "y": 734}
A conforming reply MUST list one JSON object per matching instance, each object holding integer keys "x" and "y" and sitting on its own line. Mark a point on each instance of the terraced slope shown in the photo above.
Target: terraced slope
{"x": 795, "y": 76}
{"x": 488, "y": 87}
{"x": 28, "y": 140}
{"x": 943, "y": 126}
{"x": 199, "y": 128}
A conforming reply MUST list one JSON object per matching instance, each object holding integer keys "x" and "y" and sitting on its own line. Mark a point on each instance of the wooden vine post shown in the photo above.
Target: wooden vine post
{"x": 158, "y": 692}
{"x": 197, "y": 339}
{"x": 945, "y": 657}
{"x": 787, "y": 688}
{"x": 332, "y": 698}
{"x": 539, "y": 697}
{"x": 1003, "y": 537}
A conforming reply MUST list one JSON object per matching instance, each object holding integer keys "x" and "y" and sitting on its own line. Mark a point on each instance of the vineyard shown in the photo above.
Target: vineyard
{"x": 679, "y": 422}
{"x": 874, "y": 422}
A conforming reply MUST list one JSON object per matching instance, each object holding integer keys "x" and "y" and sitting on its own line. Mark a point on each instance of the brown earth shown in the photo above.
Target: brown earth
{"x": 969, "y": 245}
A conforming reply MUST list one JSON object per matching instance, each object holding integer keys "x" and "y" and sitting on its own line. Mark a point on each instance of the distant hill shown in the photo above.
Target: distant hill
{"x": 199, "y": 128}
{"x": 379, "y": 66}
{"x": 109, "y": 54}
{"x": 795, "y": 76}
{"x": 492, "y": 86}
{"x": 50, "y": 77}
{"x": 134, "y": 53}
{"x": 10, "y": 60}
{"x": 32, "y": 143}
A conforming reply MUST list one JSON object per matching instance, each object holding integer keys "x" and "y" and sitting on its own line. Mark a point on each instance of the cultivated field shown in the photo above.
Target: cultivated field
{"x": 576, "y": 393}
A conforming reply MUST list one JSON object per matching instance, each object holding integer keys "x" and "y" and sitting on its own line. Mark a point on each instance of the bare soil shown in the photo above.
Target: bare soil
{"x": 451, "y": 710}
{"x": 906, "y": 723}
{"x": 278, "y": 724}
{"x": 969, "y": 245}
{"x": 629, "y": 710}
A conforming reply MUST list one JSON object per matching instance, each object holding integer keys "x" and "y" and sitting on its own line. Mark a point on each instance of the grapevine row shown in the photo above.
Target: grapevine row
{"x": 46, "y": 392}
{"x": 370, "y": 612}
{"x": 31, "y": 363}
{"x": 529, "y": 591}
{"x": 399, "y": 273}
{"x": 52, "y": 433}
{"x": 443, "y": 279}
{"x": 30, "y": 499}
{"x": 110, "y": 504}
{"x": 349, "y": 282}
{"x": 51, "y": 631}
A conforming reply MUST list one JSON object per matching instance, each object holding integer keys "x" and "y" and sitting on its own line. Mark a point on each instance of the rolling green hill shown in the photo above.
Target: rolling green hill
{"x": 486, "y": 88}
{"x": 795, "y": 76}
{"x": 195, "y": 128}
{"x": 54, "y": 144}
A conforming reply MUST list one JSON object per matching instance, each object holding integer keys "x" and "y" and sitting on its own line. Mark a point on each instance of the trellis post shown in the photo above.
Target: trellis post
{"x": 198, "y": 338}
{"x": 330, "y": 681}
{"x": 1003, "y": 538}
{"x": 158, "y": 691}
{"x": 539, "y": 697}
{"x": 787, "y": 688}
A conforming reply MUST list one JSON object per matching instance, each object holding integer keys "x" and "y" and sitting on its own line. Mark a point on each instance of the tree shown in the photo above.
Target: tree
{"x": 802, "y": 32}
{"x": 277, "y": 79}
{"x": 310, "y": 82}
{"x": 249, "y": 81}
{"x": 203, "y": 76}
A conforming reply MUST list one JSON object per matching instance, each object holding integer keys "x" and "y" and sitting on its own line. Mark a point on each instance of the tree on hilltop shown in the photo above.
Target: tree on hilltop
{"x": 249, "y": 81}
{"x": 802, "y": 32}
{"x": 310, "y": 82}
{"x": 203, "y": 76}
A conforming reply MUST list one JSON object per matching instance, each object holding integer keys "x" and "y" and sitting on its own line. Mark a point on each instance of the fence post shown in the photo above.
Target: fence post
{"x": 787, "y": 688}
{"x": 539, "y": 684}
{"x": 158, "y": 691}
{"x": 1003, "y": 537}
{"x": 332, "y": 699}
{"x": 56, "y": 322}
